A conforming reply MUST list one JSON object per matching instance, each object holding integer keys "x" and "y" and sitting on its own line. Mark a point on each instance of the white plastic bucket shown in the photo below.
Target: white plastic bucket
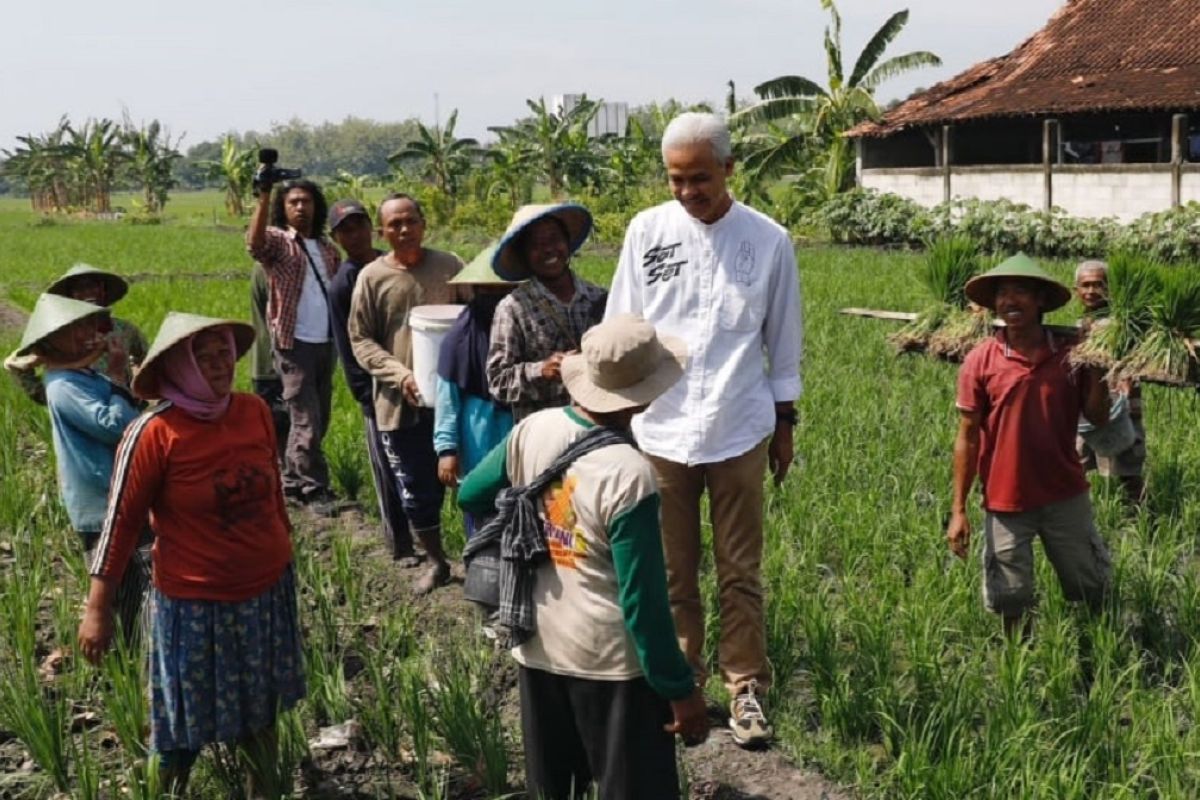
{"x": 429, "y": 327}
{"x": 1115, "y": 437}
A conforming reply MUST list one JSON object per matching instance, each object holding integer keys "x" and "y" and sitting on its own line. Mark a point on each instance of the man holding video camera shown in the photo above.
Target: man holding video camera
{"x": 300, "y": 264}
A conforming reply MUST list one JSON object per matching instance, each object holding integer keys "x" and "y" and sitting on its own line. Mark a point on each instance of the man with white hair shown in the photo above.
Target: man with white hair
{"x": 1128, "y": 466}
{"x": 722, "y": 277}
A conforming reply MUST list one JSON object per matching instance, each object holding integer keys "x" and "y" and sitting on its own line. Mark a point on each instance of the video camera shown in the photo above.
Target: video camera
{"x": 268, "y": 174}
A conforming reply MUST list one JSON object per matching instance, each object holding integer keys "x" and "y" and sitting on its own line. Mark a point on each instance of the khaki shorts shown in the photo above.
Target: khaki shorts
{"x": 1068, "y": 533}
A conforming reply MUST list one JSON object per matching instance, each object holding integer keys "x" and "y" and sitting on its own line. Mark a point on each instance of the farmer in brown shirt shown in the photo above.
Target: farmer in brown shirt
{"x": 385, "y": 294}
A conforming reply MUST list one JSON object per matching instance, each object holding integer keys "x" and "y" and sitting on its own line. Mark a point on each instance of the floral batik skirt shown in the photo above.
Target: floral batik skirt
{"x": 220, "y": 671}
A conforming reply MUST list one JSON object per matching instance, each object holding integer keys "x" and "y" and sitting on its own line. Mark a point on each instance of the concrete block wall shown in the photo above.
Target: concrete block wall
{"x": 915, "y": 184}
{"x": 1122, "y": 191}
{"x": 1023, "y": 186}
{"x": 1125, "y": 195}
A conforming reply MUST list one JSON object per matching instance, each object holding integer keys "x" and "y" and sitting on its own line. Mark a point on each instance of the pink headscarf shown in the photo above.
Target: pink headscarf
{"x": 181, "y": 381}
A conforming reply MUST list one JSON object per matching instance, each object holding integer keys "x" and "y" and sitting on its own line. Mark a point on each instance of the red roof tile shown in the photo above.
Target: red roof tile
{"x": 1093, "y": 55}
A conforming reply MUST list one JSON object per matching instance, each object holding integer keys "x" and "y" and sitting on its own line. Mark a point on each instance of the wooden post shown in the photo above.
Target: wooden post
{"x": 947, "y": 160}
{"x": 1178, "y": 136}
{"x": 1049, "y": 128}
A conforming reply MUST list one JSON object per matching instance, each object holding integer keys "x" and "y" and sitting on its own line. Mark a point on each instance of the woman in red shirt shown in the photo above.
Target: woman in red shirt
{"x": 200, "y": 465}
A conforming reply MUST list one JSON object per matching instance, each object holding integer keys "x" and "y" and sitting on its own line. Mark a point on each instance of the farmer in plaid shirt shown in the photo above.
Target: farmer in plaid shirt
{"x": 300, "y": 264}
{"x": 545, "y": 318}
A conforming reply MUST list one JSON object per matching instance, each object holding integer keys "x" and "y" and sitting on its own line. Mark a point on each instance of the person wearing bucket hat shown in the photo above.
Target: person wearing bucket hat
{"x": 721, "y": 276}
{"x": 350, "y": 226}
{"x": 543, "y": 320}
{"x": 300, "y": 263}
{"x": 600, "y": 708}
{"x": 1127, "y": 466}
{"x": 201, "y": 465}
{"x": 126, "y": 344}
{"x": 1019, "y": 401}
{"x": 381, "y": 336}
{"x": 468, "y": 421}
{"x": 88, "y": 415}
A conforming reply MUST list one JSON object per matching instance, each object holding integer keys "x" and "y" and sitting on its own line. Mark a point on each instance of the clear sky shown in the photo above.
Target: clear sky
{"x": 214, "y": 65}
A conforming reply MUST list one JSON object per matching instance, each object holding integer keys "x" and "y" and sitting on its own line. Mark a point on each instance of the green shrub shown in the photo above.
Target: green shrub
{"x": 868, "y": 217}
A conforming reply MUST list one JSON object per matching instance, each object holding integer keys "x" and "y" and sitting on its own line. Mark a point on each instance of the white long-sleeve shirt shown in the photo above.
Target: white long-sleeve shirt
{"x": 731, "y": 291}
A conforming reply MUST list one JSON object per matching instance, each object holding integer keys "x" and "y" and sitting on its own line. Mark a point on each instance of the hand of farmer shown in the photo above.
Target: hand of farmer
{"x": 448, "y": 469}
{"x": 95, "y": 633}
{"x": 780, "y": 451}
{"x": 412, "y": 395}
{"x": 958, "y": 534}
{"x": 691, "y": 718}
{"x": 118, "y": 360}
{"x": 552, "y": 367}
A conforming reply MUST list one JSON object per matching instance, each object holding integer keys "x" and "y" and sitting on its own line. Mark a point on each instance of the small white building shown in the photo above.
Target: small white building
{"x": 610, "y": 119}
{"x": 1098, "y": 113}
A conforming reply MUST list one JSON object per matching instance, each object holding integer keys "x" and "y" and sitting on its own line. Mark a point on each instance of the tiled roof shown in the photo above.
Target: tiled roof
{"x": 1093, "y": 55}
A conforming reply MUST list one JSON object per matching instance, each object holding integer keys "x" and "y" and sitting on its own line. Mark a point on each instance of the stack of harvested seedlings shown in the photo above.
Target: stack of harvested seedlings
{"x": 961, "y": 330}
{"x": 949, "y": 263}
{"x": 1134, "y": 288}
{"x": 1166, "y": 352}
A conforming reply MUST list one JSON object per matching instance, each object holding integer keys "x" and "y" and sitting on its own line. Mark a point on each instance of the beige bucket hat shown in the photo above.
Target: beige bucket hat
{"x": 507, "y": 261}
{"x": 51, "y": 314}
{"x": 115, "y": 287}
{"x": 624, "y": 363}
{"x": 174, "y": 329}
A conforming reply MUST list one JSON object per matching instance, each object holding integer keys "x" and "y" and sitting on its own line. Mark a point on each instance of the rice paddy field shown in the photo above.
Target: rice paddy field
{"x": 892, "y": 681}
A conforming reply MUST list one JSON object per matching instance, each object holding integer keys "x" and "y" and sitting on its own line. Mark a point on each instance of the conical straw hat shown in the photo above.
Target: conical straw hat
{"x": 174, "y": 329}
{"x": 51, "y": 314}
{"x": 479, "y": 271}
{"x": 981, "y": 290}
{"x": 507, "y": 262}
{"x": 115, "y": 287}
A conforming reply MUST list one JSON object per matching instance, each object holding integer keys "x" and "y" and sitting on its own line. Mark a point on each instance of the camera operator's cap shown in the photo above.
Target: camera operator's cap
{"x": 623, "y": 363}
{"x": 479, "y": 271}
{"x": 981, "y": 290}
{"x": 51, "y": 314}
{"x": 115, "y": 287}
{"x": 178, "y": 327}
{"x": 577, "y": 220}
{"x": 343, "y": 210}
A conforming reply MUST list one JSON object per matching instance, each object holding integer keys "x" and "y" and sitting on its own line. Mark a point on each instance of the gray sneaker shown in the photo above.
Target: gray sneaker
{"x": 747, "y": 719}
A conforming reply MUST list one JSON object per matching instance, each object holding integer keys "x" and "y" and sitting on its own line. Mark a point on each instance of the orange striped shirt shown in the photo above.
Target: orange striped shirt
{"x": 212, "y": 493}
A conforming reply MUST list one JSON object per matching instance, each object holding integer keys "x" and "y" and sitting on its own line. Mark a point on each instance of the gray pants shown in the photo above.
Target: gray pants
{"x": 1072, "y": 543}
{"x": 306, "y": 371}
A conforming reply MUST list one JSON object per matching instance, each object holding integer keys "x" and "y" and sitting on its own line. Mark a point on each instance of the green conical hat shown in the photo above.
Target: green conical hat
{"x": 174, "y": 329}
{"x": 981, "y": 290}
{"x": 51, "y": 314}
{"x": 479, "y": 271}
{"x": 115, "y": 287}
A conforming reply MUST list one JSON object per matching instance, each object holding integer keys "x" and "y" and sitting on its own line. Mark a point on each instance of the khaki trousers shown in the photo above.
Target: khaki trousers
{"x": 735, "y": 492}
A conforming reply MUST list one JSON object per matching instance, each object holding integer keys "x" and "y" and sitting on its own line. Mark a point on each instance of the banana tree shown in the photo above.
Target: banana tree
{"x": 816, "y": 116}
{"x": 98, "y": 152}
{"x": 563, "y": 154}
{"x": 235, "y": 170}
{"x": 152, "y": 157}
{"x": 440, "y": 156}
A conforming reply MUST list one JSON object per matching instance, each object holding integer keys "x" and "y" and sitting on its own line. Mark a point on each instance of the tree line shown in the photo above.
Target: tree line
{"x": 789, "y": 140}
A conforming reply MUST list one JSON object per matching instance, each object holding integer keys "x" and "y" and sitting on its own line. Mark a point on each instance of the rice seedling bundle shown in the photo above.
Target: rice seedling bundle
{"x": 1134, "y": 287}
{"x": 960, "y": 331}
{"x": 1166, "y": 352}
{"x": 949, "y": 264}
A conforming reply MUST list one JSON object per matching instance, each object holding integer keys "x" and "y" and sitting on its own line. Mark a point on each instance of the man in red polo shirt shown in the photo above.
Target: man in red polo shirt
{"x": 1020, "y": 402}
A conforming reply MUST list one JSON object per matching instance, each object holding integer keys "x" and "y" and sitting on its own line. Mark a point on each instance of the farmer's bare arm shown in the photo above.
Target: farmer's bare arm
{"x": 256, "y": 234}
{"x": 96, "y": 627}
{"x": 1095, "y": 398}
{"x": 966, "y": 457}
